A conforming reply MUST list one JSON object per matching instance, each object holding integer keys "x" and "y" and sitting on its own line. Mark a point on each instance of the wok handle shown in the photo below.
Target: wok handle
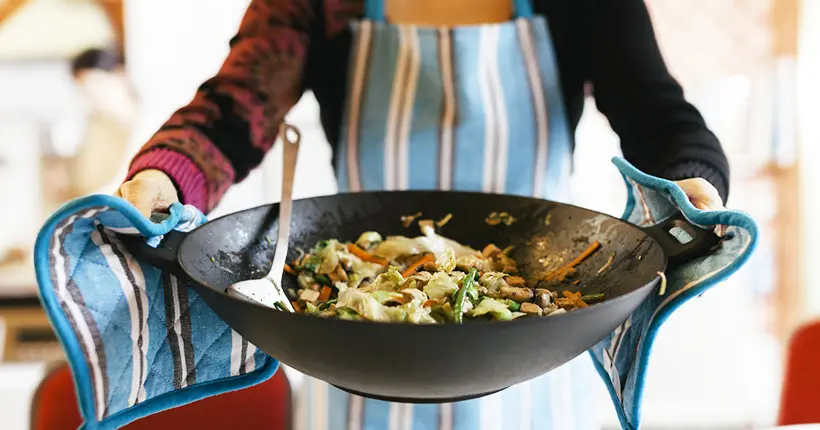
{"x": 670, "y": 236}
{"x": 165, "y": 256}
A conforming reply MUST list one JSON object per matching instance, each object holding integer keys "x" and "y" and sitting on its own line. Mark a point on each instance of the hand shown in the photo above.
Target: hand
{"x": 704, "y": 197}
{"x": 149, "y": 191}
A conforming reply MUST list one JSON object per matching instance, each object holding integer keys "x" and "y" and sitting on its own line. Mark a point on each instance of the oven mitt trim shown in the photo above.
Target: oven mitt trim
{"x": 100, "y": 205}
{"x": 659, "y": 199}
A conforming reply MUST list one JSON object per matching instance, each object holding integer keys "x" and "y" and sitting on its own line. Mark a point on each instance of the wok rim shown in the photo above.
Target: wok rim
{"x": 519, "y": 321}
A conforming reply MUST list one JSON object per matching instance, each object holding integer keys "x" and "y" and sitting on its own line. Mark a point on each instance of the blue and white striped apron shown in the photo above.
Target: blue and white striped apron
{"x": 475, "y": 108}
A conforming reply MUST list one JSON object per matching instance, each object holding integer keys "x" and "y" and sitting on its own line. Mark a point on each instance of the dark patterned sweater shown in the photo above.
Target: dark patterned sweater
{"x": 285, "y": 47}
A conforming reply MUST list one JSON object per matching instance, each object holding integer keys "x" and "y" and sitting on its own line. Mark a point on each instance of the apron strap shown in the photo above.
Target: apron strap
{"x": 374, "y": 9}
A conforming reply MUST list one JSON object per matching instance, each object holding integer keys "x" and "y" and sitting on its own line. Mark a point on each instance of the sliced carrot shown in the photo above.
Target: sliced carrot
{"x": 400, "y": 300}
{"x": 429, "y": 303}
{"x": 289, "y": 270}
{"x": 407, "y": 220}
{"x": 296, "y": 306}
{"x": 364, "y": 255}
{"x": 427, "y": 258}
{"x": 445, "y": 220}
{"x": 324, "y": 294}
{"x": 587, "y": 252}
{"x": 490, "y": 250}
{"x": 560, "y": 275}
{"x": 301, "y": 261}
{"x": 576, "y": 298}
{"x": 562, "y": 272}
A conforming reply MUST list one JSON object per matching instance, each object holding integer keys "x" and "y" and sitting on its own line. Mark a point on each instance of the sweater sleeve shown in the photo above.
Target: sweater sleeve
{"x": 230, "y": 124}
{"x": 661, "y": 133}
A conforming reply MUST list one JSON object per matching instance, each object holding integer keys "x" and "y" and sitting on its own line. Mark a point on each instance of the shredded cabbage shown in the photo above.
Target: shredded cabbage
{"x": 493, "y": 282}
{"x": 395, "y": 314}
{"x": 396, "y": 246}
{"x": 330, "y": 259}
{"x": 441, "y": 286}
{"x": 365, "y": 305}
{"x": 495, "y": 308}
{"x": 391, "y": 280}
{"x": 366, "y": 270}
{"x": 444, "y": 249}
{"x": 305, "y": 280}
{"x": 368, "y": 307}
{"x": 457, "y": 276}
{"x": 417, "y": 314}
{"x": 467, "y": 262}
{"x": 446, "y": 261}
{"x": 348, "y": 314}
{"x": 341, "y": 286}
{"x": 415, "y": 294}
{"x": 368, "y": 238}
{"x": 386, "y": 296}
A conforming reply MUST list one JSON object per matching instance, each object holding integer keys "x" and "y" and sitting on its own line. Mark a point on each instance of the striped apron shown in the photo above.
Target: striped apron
{"x": 473, "y": 108}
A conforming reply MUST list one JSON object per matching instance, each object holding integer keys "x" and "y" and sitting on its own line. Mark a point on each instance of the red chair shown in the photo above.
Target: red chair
{"x": 800, "y": 399}
{"x": 266, "y": 405}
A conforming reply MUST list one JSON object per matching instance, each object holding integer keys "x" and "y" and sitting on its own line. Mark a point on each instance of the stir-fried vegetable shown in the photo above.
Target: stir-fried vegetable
{"x": 497, "y": 218}
{"x": 461, "y": 297}
{"x": 424, "y": 280}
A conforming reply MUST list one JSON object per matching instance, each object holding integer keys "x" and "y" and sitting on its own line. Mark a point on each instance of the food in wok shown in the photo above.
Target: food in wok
{"x": 426, "y": 280}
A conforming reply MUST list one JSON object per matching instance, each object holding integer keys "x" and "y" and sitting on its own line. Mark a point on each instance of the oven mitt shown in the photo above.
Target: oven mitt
{"x": 138, "y": 341}
{"x": 622, "y": 357}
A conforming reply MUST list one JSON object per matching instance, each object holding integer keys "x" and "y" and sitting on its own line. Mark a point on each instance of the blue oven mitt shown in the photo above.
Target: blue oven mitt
{"x": 622, "y": 357}
{"x": 138, "y": 340}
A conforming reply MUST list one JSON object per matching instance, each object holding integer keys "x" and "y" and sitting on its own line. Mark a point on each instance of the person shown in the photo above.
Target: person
{"x": 101, "y": 79}
{"x": 412, "y": 97}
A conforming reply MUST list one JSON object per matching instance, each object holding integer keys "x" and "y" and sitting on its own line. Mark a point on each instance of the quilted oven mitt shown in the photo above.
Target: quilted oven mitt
{"x": 622, "y": 357}
{"x": 138, "y": 341}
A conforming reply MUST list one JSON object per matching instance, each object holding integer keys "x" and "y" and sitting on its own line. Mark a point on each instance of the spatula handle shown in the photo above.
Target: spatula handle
{"x": 290, "y": 150}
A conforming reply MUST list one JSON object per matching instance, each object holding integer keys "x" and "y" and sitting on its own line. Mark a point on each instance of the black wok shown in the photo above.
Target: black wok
{"x": 428, "y": 363}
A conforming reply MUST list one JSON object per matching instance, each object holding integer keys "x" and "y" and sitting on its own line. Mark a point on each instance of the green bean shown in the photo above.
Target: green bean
{"x": 326, "y": 305}
{"x": 312, "y": 263}
{"x": 513, "y": 305}
{"x": 592, "y": 297}
{"x": 323, "y": 280}
{"x": 461, "y": 296}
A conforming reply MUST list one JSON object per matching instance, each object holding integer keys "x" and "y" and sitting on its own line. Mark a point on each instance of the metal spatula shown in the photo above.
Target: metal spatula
{"x": 268, "y": 291}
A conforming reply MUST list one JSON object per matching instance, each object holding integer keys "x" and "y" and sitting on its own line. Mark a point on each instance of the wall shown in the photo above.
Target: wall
{"x": 47, "y": 29}
{"x": 809, "y": 136}
{"x": 38, "y": 102}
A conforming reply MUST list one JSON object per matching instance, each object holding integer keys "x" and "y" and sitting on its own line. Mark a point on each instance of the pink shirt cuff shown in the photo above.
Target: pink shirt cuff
{"x": 188, "y": 178}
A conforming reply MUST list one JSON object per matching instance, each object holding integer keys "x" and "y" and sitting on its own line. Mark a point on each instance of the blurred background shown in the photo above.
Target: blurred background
{"x": 749, "y": 65}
